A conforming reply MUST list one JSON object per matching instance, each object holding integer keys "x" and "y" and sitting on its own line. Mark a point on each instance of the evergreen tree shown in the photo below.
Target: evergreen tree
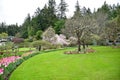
{"x": 77, "y": 12}
{"x": 89, "y": 11}
{"x": 62, "y": 8}
{"x": 25, "y": 27}
{"x": 3, "y": 27}
{"x": 84, "y": 11}
{"x": 37, "y": 12}
{"x": 59, "y": 25}
{"x": 12, "y": 30}
{"x": 52, "y": 12}
{"x": 105, "y": 8}
{"x": 51, "y": 6}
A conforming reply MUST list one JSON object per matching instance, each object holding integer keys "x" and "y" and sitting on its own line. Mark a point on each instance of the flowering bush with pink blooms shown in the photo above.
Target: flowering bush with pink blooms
{"x": 5, "y": 62}
{"x": 9, "y": 64}
{"x": 1, "y": 71}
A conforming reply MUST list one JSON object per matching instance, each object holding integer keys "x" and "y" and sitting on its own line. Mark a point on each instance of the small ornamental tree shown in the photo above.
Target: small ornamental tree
{"x": 41, "y": 44}
{"x": 78, "y": 27}
{"x": 49, "y": 34}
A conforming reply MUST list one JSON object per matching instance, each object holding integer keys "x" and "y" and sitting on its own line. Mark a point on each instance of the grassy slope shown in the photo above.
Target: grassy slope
{"x": 104, "y": 64}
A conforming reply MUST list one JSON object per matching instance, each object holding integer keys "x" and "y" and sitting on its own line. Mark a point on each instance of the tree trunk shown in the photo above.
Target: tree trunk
{"x": 114, "y": 43}
{"x": 79, "y": 44}
{"x": 39, "y": 48}
{"x": 83, "y": 45}
{"x": 87, "y": 45}
{"x": 84, "y": 48}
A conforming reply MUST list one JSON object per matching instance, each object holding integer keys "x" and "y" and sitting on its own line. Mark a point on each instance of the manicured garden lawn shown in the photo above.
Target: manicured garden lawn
{"x": 104, "y": 64}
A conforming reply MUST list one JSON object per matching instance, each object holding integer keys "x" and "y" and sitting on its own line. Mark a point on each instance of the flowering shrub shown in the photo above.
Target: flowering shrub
{"x": 1, "y": 71}
{"x": 9, "y": 64}
{"x": 4, "y": 62}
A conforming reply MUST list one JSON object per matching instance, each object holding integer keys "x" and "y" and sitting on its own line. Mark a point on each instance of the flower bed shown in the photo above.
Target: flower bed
{"x": 7, "y": 65}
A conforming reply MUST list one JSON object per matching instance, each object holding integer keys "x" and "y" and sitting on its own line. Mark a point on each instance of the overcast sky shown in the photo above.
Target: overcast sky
{"x": 15, "y": 11}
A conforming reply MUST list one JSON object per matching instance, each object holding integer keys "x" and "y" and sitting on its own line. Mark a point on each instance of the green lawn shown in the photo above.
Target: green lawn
{"x": 104, "y": 64}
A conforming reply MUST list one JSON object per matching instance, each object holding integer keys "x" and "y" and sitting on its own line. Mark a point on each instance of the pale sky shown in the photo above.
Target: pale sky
{"x": 15, "y": 11}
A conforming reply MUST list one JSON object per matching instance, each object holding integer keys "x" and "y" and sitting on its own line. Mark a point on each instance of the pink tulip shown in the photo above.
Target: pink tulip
{"x": 1, "y": 71}
{"x": 6, "y": 61}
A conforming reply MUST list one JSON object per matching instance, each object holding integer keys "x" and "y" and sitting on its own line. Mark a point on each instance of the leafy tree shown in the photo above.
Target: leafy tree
{"x": 40, "y": 44}
{"x": 101, "y": 19}
{"x": 31, "y": 31}
{"x": 45, "y": 17}
{"x": 59, "y": 25}
{"x": 112, "y": 30}
{"x": 78, "y": 26}
{"x": 3, "y": 35}
{"x": 39, "y": 34}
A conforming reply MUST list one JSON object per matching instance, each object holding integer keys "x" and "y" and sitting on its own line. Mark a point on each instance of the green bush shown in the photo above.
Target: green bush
{"x": 41, "y": 44}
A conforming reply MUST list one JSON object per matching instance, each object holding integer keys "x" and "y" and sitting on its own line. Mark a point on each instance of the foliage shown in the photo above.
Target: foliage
{"x": 25, "y": 44}
{"x": 9, "y": 29}
{"x": 79, "y": 27}
{"x": 49, "y": 34}
{"x": 55, "y": 16}
{"x": 26, "y": 27}
{"x": 18, "y": 40}
{"x": 72, "y": 41}
{"x": 58, "y": 26}
{"x": 112, "y": 31}
{"x": 18, "y": 34}
{"x": 12, "y": 30}
{"x": 7, "y": 65}
{"x": 3, "y": 35}
{"x": 41, "y": 44}
{"x": 39, "y": 34}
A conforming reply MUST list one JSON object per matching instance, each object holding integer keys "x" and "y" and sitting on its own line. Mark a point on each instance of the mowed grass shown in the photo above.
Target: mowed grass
{"x": 104, "y": 64}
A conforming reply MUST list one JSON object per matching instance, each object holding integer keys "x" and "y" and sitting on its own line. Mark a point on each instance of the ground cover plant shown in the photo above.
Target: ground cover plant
{"x": 55, "y": 65}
